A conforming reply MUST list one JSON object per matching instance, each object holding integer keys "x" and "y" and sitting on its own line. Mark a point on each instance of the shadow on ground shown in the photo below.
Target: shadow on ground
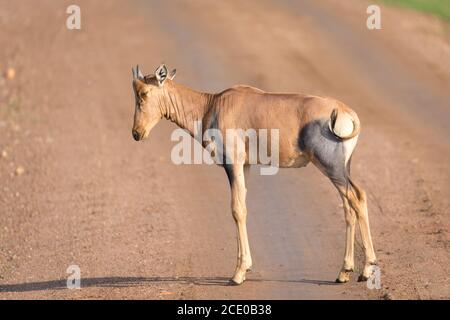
{"x": 117, "y": 282}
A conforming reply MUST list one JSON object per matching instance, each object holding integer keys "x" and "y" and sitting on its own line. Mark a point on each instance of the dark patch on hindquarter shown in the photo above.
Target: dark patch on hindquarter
{"x": 325, "y": 150}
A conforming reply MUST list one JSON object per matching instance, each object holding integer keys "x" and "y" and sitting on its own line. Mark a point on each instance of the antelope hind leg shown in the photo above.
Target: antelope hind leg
{"x": 350, "y": 220}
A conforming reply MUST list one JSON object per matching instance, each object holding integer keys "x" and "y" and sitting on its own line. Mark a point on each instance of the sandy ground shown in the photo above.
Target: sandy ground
{"x": 140, "y": 227}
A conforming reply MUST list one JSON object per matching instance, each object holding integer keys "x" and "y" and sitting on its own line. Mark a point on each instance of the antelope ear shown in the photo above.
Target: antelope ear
{"x": 172, "y": 74}
{"x": 161, "y": 74}
{"x": 139, "y": 73}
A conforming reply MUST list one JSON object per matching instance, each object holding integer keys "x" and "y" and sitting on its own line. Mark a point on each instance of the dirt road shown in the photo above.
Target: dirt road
{"x": 139, "y": 226}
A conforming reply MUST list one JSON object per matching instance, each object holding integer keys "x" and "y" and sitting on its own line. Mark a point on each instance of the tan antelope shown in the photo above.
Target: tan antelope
{"x": 311, "y": 129}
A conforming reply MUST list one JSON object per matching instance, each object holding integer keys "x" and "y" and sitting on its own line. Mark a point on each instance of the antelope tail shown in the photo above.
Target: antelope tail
{"x": 344, "y": 124}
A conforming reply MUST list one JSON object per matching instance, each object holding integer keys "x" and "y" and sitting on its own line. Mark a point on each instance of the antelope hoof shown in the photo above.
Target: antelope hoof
{"x": 368, "y": 270}
{"x": 233, "y": 282}
{"x": 362, "y": 278}
{"x": 238, "y": 279}
{"x": 344, "y": 276}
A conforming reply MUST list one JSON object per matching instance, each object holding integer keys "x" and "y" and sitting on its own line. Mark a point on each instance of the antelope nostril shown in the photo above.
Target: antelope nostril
{"x": 136, "y": 135}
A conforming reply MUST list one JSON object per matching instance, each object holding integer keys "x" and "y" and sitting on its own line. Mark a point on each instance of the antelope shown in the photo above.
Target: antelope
{"x": 313, "y": 129}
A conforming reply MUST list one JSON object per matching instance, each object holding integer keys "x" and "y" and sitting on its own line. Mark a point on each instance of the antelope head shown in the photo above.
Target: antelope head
{"x": 149, "y": 97}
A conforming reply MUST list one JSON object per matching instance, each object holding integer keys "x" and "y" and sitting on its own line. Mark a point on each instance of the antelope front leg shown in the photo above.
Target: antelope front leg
{"x": 239, "y": 211}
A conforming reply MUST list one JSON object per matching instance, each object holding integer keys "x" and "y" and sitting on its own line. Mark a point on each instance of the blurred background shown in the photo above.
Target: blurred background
{"x": 76, "y": 189}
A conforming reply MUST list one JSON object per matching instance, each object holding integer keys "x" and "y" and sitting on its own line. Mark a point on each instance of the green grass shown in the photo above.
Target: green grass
{"x": 440, "y": 8}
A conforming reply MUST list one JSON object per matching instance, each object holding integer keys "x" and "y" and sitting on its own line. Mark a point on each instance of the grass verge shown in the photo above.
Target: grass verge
{"x": 440, "y": 8}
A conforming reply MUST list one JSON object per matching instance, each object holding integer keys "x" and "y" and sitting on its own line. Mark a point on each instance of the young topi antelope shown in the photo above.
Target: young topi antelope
{"x": 311, "y": 129}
